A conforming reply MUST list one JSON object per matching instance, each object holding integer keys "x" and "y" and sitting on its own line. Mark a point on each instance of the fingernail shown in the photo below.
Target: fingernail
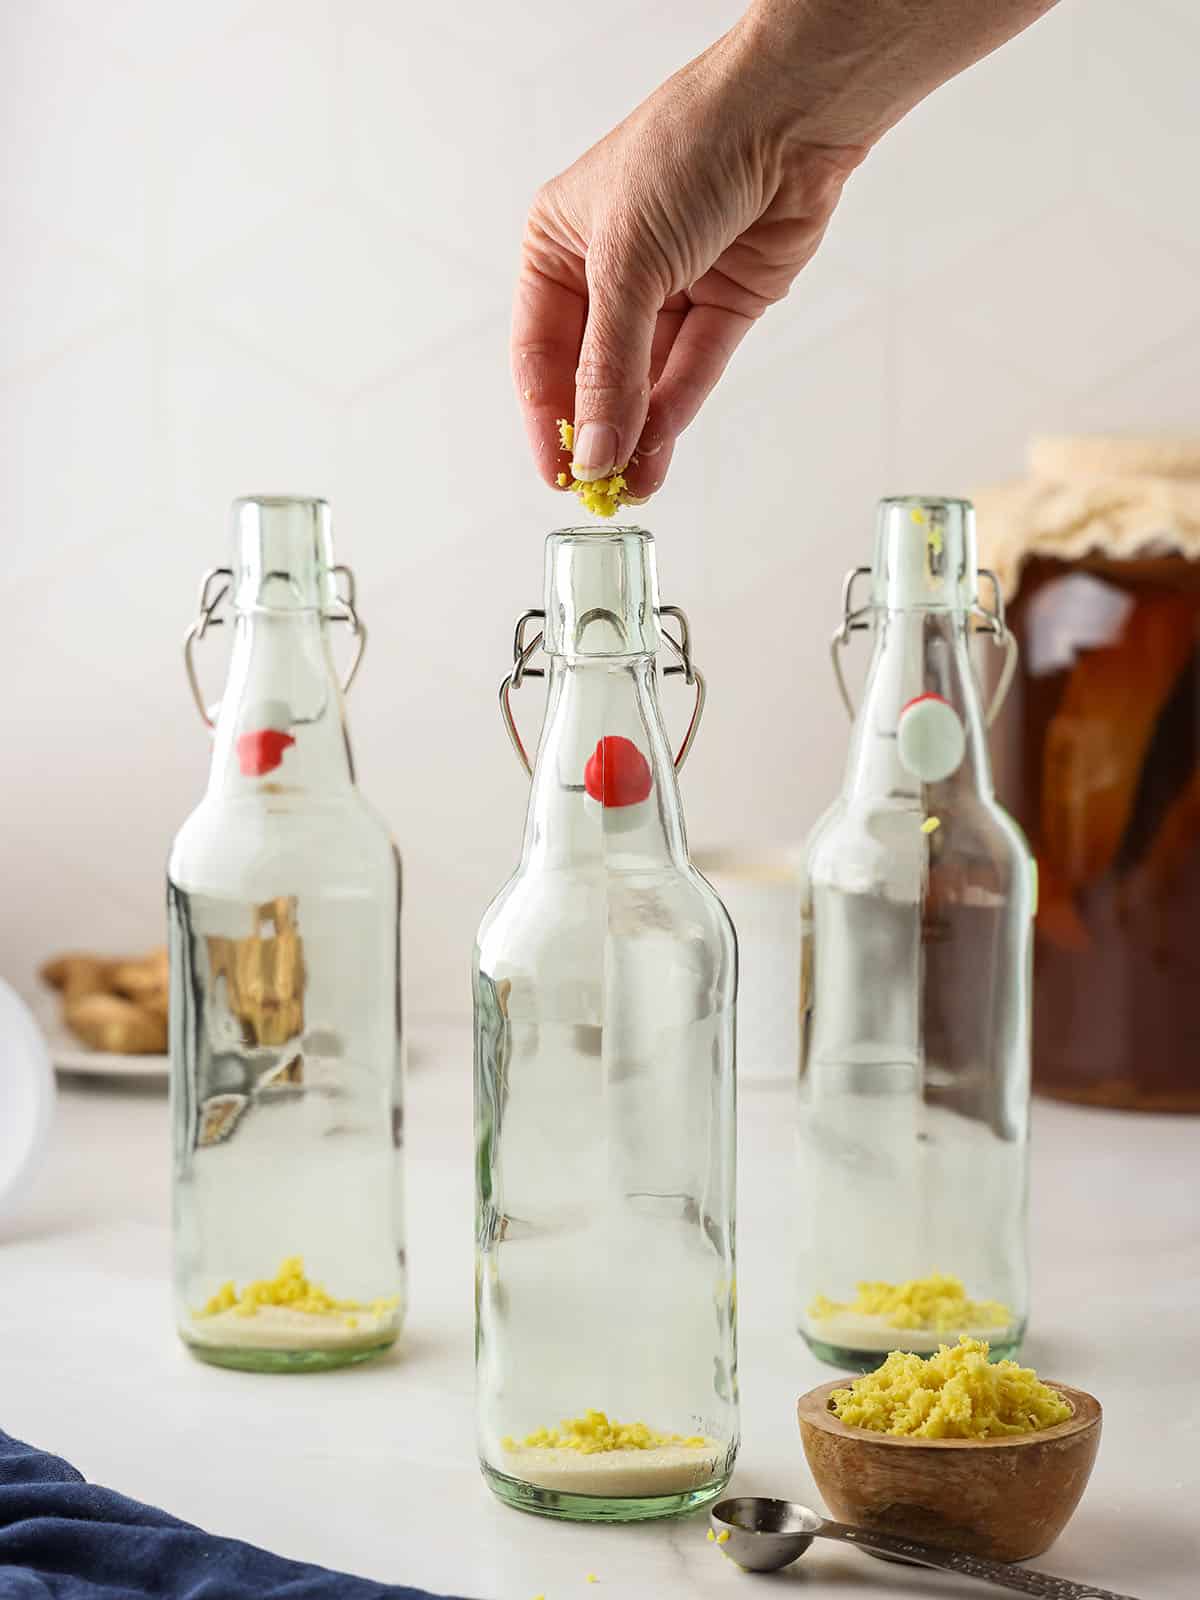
{"x": 595, "y": 451}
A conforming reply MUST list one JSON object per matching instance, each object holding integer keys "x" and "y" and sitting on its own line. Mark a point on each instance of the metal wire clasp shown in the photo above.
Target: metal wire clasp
{"x": 215, "y": 587}
{"x": 854, "y": 620}
{"x": 523, "y": 650}
{"x": 993, "y": 622}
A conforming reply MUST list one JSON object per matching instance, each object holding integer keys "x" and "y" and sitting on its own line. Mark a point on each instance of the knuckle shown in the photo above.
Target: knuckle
{"x": 604, "y": 375}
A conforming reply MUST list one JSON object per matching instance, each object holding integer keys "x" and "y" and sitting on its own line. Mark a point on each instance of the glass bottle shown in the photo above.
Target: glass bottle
{"x": 286, "y": 1068}
{"x": 915, "y": 982}
{"x": 605, "y": 976}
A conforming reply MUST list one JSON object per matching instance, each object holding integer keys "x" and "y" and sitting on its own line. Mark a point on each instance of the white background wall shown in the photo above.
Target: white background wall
{"x": 267, "y": 245}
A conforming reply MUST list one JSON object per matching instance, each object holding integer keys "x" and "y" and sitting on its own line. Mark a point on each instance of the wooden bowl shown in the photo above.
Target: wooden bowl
{"x": 1007, "y": 1498}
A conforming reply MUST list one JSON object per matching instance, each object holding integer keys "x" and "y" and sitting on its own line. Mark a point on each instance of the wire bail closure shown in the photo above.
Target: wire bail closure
{"x": 855, "y": 619}
{"x": 216, "y": 585}
{"x": 523, "y": 651}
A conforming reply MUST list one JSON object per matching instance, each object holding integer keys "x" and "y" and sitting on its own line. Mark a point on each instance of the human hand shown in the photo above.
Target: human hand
{"x": 645, "y": 264}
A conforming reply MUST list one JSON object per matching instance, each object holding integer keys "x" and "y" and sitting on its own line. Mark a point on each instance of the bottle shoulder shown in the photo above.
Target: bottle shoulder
{"x": 894, "y": 847}
{"x": 247, "y": 840}
{"x": 588, "y": 906}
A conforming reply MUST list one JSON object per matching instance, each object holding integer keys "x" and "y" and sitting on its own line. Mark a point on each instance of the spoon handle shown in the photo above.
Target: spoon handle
{"x": 1024, "y": 1580}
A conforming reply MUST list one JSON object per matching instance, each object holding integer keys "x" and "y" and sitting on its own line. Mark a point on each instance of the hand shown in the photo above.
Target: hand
{"x": 646, "y": 263}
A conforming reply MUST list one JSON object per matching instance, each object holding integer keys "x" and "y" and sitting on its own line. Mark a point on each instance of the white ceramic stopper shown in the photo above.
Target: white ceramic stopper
{"x": 930, "y": 738}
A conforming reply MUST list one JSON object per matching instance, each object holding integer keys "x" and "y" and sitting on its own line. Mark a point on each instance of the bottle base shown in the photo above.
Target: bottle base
{"x": 851, "y": 1360}
{"x": 598, "y": 1508}
{"x": 251, "y": 1360}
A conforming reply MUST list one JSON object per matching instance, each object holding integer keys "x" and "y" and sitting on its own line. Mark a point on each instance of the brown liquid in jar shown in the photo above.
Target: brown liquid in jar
{"x": 1098, "y": 758}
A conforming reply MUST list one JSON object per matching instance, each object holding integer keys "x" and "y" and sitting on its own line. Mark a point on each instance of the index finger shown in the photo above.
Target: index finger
{"x": 548, "y": 320}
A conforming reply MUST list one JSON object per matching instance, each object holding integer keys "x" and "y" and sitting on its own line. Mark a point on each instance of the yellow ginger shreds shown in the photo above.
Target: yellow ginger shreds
{"x": 724, "y": 1536}
{"x": 601, "y": 497}
{"x": 937, "y": 1303}
{"x": 290, "y": 1287}
{"x": 593, "y": 1434}
{"x": 956, "y": 1394}
{"x": 931, "y": 824}
{"x": 712, "y": 1538}
{"x": 224, "y": 1300}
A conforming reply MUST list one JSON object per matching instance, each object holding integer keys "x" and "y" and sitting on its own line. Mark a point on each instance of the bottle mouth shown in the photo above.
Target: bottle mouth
{"x": 612, "y": 532}
{"x": 927, "y": 502}
{"x": 282, "y": 554}
{"x": 601, "y": 594}
{"x": 925, "y": 557}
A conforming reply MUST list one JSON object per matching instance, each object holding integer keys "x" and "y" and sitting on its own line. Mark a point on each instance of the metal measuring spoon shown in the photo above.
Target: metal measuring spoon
{"x": 763, "y": 1535}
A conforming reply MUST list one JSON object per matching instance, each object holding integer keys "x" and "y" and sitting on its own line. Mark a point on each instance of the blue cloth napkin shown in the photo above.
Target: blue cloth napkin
{"x": 62, "y": 1538}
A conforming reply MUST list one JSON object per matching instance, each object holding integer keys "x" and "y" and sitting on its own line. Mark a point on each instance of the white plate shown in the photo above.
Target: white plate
{"x": 70, "y": 1054}
{"x": 26, "y": 1094}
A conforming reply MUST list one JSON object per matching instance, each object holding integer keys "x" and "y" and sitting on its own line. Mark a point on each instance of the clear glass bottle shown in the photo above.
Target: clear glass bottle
{"x": 915, "y": 984}
{"x": 605, "y": 975}
{"x": 286, "y": 1064}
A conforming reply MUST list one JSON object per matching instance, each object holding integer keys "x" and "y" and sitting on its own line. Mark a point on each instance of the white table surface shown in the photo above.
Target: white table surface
{"x": 372, "y": 1469}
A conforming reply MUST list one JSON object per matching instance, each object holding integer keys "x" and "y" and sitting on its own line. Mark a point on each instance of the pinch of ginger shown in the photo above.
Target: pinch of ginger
{"x": 603, "y": 495}
{"x": 938, "y": 1302}
{"x": 594, "y": 1434}
{"x": 289, "y": 1287}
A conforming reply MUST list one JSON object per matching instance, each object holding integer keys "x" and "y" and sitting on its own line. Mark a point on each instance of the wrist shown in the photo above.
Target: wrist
{"x": 847, "y": 70}
{"x": 826, "y": 71}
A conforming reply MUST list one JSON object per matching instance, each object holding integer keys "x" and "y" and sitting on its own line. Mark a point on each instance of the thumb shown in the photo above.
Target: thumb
{"x": 612, "y": 381}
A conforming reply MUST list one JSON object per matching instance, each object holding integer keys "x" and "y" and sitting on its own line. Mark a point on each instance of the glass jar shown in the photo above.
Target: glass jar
{"x": 916, "y": 934}
{"x": 1101, "y": 765}
{"x": 605, "y": 976}
{"x": 283, "y": 901}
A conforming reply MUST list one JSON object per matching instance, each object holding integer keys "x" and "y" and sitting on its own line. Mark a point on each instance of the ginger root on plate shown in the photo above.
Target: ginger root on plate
{"x": 117, "y": 1026}
{"x": 143, "y": 980}
{"x": 76, "y": 974}
{"x": 116, "y": 1005}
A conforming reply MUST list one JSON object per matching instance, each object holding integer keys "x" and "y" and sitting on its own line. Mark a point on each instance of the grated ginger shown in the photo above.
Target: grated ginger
{"x": 938, "y": 1302}
{"x": 956, "y": 1394}
{"x": 601, "y": 497}
{"x": 593, "y": 1434}
{"x": 289, "y": 1287}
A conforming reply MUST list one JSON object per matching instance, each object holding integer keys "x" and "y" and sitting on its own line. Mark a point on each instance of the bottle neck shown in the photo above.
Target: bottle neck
{"x": 604, "y": 789}
{"x": 280, "y": 728}
{"x": 917, "y": 652}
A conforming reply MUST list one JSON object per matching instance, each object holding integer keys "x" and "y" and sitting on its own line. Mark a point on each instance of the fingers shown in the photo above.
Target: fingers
{"x": 666, "y": 330}
{"x": 612, "y": 383}
{"x": 701, "y": 351}
{"x": 647, "y": 470}
{"x": 547, "y": 328}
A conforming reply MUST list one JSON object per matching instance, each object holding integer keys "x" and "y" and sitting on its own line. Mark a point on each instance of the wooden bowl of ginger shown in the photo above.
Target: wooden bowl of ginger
{"x": 955, "y": 1451}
